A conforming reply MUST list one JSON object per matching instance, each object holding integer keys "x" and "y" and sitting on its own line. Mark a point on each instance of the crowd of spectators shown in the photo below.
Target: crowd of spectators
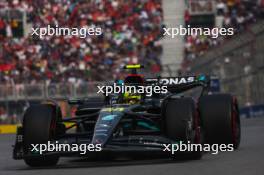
{"x": 237, "y": 14}
{"x": 131, "y": 32}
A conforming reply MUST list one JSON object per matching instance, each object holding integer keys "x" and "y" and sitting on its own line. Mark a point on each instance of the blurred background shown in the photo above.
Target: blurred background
{"x": 60, "y": 67}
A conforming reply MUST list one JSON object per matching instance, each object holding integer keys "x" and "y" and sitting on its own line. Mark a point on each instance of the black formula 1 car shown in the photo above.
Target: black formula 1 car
{"x": 125, "y": 123}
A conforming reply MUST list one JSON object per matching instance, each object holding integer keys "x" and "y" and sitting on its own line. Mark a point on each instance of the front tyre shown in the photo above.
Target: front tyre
{"x": 182, "y": 124}
{"x": 39, "y": 125}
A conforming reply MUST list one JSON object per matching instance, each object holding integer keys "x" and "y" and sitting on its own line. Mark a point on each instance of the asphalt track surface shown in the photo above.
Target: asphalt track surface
{"x": 248, "y": 160}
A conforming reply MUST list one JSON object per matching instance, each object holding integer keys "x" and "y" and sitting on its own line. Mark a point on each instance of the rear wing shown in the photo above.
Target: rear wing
{"x": 179, "y": 84}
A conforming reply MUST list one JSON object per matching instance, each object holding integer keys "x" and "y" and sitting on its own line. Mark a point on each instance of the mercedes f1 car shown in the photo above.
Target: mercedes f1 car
{"x": 134, "y": 123}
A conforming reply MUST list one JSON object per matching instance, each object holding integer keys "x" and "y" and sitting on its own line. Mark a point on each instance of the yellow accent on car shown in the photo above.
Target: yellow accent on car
{"x": 133, "y": 66}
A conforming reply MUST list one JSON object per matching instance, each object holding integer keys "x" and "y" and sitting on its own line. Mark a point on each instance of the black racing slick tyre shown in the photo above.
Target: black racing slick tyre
{"x": 220, "y": 119}
{"x": 182, "y": 125}
{"x": 39, "y": 127}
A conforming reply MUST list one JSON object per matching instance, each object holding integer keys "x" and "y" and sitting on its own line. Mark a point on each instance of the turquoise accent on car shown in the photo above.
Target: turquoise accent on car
{"x": 202, "y": 78}
{"x": 120, "y": 82}
{"x": 146, "y": 125}
{"x": 109, "y": 117}
{"x": 143, "y": 124}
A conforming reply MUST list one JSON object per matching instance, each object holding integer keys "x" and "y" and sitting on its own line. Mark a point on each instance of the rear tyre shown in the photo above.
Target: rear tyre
{"x": 220, "y": 119}
{"x": 39, "y": 125}
{"x": 182, "y": 124}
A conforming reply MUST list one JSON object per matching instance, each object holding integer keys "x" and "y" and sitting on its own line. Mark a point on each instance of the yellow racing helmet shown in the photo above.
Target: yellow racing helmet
{"x": 130, "y": 98}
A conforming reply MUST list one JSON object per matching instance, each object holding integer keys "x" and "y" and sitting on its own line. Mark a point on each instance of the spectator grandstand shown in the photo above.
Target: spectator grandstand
{"x": 33, "y": 69}
{"x": 237, "y": 14}
{"x": 131, "y": 34}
